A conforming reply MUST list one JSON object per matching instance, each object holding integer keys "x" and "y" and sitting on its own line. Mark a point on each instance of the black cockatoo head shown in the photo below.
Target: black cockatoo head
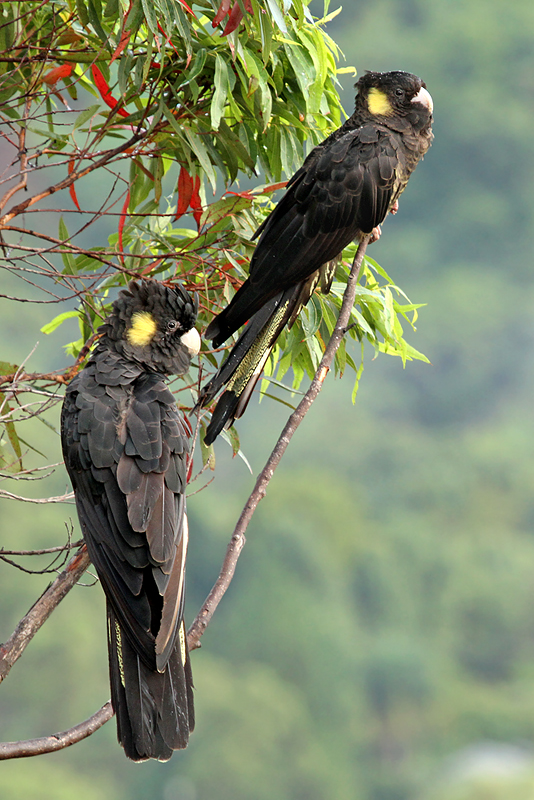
{"x": 395, "y": 95}
{"x": 152, "y": 325}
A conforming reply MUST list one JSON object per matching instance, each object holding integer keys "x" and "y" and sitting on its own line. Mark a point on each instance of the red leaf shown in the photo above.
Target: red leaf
{"x": 248, "y": 6}
{"x": 55, "y": 74}
{"x": 189, "y": 468}
{"x": 236, "y": 15}
{"x": 72, "y": 190}
{"x": 246, "y": 193}
{"x": 196, "y": 203}
{"x": 273, "y": 187}
{"x": 122, "y": 220}
{"x": 184, "y": 4}
{"x": 187, "y": 424}
{"x": 224, "y": 8}
{"x": 185, "y": 191}
{"x": 103, "y": 87}
{"x": 123, "y": 43}
{"x": 153, "y": 264}
{"x": 168, "y": 40}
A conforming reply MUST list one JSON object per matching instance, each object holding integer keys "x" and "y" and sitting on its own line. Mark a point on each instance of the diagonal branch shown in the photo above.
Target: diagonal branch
{"x": 238, "y": 540}
{"x": 57, "y": 741}
{"x": 41, "y": 610}
{"x": 28, "y": 626}
{"x": 74, "y": 176}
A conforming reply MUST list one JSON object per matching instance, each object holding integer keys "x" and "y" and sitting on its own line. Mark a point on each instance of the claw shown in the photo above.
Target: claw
{"x": 394, "y": 208}
{"x": 375, "y": 234}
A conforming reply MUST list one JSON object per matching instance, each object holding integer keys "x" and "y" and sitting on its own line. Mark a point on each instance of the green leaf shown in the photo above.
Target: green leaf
{"x": 222, "y": 84}
{"x": 150, "y": 15}
{"x": 198, "y": 65}
{"x": 199, "y": 149}
{"x": 85, "y": 115}
{"x": 277, "y": 15}
{"x": 302, "y": 66}
{"x": 7, "y": 369}
{"x": 66, "y": 256}
{"x": 207, "y": 452}
{"x": 234, "y": 142}
{"x": 11, "y": 433}
{"x": 357, "y": 381}
{"x": 57, "y": 321}
{"x": 94, "y": 11}
{"x": 389, "y": 312}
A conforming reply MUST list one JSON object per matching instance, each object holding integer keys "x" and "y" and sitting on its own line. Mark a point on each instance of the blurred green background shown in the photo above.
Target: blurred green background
{"x": 378, "y": 639}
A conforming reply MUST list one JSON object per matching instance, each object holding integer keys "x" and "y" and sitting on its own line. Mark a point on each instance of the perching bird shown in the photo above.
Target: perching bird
{"x": 344, "y": 190}
{"x": 125, "y": 447}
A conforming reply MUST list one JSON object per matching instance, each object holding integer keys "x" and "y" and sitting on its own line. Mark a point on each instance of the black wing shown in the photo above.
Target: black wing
{"x": 343, "y": 189}
{"x": 125, "y": 450}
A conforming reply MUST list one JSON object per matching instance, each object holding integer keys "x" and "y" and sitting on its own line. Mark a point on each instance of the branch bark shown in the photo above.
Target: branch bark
{"x": 28, "y": 626}
{"x": 56, "y": 741}
{"x": 238, "y": 540}
{"x": 41, "y": 610}
{"x": 74, "y": 176}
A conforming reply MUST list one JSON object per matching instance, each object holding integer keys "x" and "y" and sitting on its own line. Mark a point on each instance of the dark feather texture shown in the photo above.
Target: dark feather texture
{"x": 125, "y": 446}
{"x": 345, "y": 188}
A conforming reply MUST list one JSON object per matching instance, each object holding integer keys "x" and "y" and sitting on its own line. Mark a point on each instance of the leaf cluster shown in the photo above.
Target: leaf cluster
{"x": 171, "y": 100}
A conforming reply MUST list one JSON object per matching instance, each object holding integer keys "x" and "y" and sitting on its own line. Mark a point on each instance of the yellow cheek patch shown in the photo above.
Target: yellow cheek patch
{"x": 378, "y": 103}
{"x": 142, "y": 329}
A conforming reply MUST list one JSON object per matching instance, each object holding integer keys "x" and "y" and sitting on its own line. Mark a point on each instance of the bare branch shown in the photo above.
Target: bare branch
{"x": 23, "y": 158}
{"x": 66, "y": 182}
{"x": 63, "y": 498}
{"x": 28, "y": 626}
{"x": 57, "y": 741}
{"x": 238, "y": 540}
{"x": 45, "y": 551}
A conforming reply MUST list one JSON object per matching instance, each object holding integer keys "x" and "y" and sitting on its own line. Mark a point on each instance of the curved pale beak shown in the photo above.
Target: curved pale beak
{"x": 424, "y": 98}
{"x": 191, "y": 340}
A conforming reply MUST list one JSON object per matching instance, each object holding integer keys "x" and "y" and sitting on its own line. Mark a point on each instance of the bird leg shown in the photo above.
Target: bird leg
{"x": 375, "y": 234}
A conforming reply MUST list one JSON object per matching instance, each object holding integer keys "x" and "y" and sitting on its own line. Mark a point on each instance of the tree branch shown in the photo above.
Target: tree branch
{"x": 57, "y": 741}
{"x": 41, "y": 610}
{"x": 238, "y": 540}
{"x": 74, "y": 176}
{"x": 28, "y": 626}
{"x": 23, "y": 158}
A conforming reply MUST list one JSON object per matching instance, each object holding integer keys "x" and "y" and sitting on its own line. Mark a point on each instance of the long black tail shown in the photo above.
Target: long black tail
{"x": 243, "y": 367}
{"x": 154, "y": 709}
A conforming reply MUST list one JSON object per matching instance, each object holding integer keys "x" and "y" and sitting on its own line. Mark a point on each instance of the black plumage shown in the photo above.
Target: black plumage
{"x": 344, "y": 190}
{"x": 125, "y": 446}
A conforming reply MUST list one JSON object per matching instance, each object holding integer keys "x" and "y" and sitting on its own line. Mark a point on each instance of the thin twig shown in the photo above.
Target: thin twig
{"x": 60, "y": 548}
{"x": 41, "y": 610}
{"x": 238, "y": 540}
{"x": 63, "y": 498}
{"x": 23, "y": 158}
{"x": 57, "y": 741}
{"x": 28, "y": 626}
{"x": 66, "y": 182}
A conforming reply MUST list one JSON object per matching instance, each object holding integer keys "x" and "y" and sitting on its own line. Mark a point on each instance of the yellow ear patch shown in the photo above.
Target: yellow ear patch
{"x": 378, "y": 103}
{"x": 142, "y": 329}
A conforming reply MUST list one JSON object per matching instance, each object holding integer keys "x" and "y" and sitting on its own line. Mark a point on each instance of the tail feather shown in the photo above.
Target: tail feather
{"x": 243, "y": 367}
{"x": 154, "y": 709}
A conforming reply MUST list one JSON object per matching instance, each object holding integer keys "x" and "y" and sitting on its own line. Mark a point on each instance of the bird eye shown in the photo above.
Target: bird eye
{"x": 172, "y": 325}
{"x": 399, "y": 92}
